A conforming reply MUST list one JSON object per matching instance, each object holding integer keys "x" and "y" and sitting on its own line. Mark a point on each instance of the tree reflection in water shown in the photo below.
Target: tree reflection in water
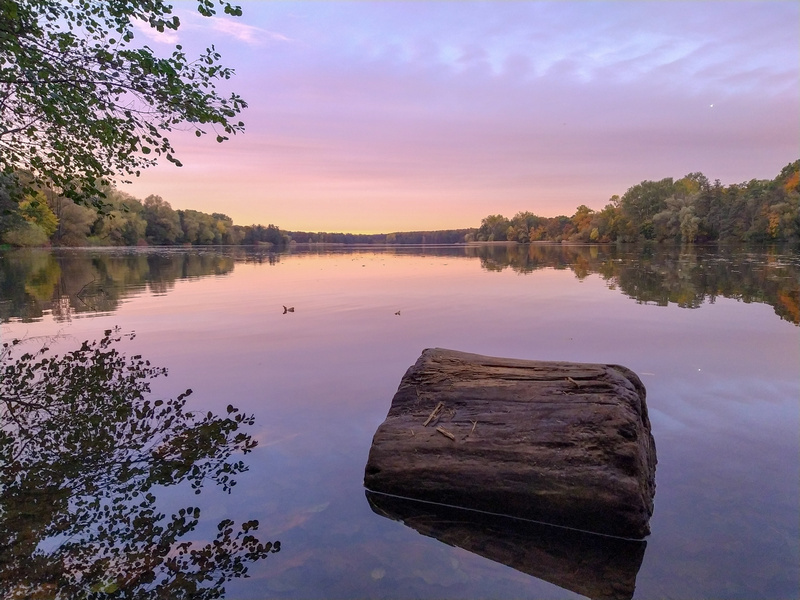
{"x": 33, "y": 283}
{"x": 83, "y": 451}
{"x": 686, "y": 276}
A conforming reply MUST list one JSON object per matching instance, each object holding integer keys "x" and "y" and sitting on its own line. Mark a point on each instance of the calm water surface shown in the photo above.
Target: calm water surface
{"x": 713, "y": 334}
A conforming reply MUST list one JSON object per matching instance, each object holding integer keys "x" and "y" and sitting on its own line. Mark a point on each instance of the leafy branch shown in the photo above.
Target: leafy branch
{"x": 81, "y": 105}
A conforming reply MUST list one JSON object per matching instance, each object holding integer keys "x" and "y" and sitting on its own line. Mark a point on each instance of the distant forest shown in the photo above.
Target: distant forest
{"x": 687, "y": 210}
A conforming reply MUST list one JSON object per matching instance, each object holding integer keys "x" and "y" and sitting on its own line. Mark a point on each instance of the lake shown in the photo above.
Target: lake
{"x": 712, "y": 332}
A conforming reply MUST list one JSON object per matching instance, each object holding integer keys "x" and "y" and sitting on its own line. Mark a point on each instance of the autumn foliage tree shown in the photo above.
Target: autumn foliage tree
{"x": 688, "y": 210}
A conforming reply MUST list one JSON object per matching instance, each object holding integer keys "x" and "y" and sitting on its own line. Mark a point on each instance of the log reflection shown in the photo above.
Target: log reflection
{"x": 595, "y": 566}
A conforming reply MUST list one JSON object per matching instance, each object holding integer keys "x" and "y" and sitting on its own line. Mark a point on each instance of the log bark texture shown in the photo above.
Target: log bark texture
{"x": 557, "y": 442}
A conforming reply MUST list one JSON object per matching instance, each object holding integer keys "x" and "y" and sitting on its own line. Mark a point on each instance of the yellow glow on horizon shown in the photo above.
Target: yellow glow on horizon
{"x": 314, "y": 206}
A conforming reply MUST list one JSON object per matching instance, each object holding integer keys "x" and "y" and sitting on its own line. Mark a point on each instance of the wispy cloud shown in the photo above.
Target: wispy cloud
{"x": 249, "y": 34}
{"x": 159, "y": 37}
{"x": 197, "y": 26}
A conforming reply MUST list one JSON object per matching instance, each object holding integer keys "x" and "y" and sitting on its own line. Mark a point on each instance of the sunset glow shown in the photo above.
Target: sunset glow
{"x": 380, "y": 117}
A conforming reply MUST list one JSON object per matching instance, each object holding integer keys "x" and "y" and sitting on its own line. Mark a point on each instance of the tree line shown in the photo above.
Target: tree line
{"x": 689, "y": 210}
{"x": 443, "y": 236}
{"x": 43, "y": 218}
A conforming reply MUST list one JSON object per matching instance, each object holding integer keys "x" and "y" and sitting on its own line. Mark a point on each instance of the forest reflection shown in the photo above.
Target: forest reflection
{"x": 687, "y": 276}
{"x": 85, "y": 452}
{"x": 65, "y": 283}
{"x": 33, "y": 283}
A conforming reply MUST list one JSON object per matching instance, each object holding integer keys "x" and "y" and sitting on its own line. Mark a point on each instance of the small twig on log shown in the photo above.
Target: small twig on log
{"x": 474, "y": 425}
{"x": 573, "y": 382}
{"x": 446, "y": 433}
{"x": 433, "y": 414}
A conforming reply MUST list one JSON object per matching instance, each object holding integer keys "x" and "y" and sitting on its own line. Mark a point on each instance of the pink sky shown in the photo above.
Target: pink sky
{"x": 380, "y": 117}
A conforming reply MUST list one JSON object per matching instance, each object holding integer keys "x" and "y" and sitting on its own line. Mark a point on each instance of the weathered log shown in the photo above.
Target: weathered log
{"x": 556, "y": 442}
{"x": 597, "y": 566}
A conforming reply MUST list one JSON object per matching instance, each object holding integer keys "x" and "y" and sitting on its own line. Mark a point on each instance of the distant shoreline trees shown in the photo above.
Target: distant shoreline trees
{"x": 689, "y": 210}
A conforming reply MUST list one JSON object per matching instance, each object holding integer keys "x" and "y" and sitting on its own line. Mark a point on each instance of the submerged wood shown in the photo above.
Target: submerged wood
{"x": 597, "y": 566}
{"x": 557, "y": 442}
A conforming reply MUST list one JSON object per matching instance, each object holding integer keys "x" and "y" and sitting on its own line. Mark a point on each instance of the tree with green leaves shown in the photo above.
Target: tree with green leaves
{"x": 83, "y": 103}
{"x": 526, "y": 224}
{"x": 163, "y": 223}
{"x": 494, "y": 228}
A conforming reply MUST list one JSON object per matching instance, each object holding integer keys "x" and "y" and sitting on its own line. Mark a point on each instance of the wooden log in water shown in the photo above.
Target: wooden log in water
{"x": 556, "y": 442}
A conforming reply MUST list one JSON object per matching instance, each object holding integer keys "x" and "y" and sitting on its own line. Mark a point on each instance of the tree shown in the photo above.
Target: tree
{"x": 270, "y": 235}
{"x": 199, "y": 228}
{"x": 74, "y": 224}
{"x": 229, "y": 234}
{"x": 163, "y": 223}
{"x": 709, "y": 208}
{"x": 582, "y": 220}
{"x": 122, "y": 224}
{"x": 494, "y": 228}
{"x": 35, "y": 209}
{"x": 81, "y": 104}
{"x": 525, "y": 224}
{"x": 26, "y": 234}
{"x": 34, "y": 222}
{"x": 9, "y": 207}
{"x": 643, "y": 201}
{"x": 558, "y": 228}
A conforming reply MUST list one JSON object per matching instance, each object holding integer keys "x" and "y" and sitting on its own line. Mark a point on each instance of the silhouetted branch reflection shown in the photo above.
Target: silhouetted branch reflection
{"x": 84, "y": 451}
{"x": 596, "y": 566}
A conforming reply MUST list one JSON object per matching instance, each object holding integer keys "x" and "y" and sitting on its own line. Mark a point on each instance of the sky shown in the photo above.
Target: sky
{"x": 373, "y": 117}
